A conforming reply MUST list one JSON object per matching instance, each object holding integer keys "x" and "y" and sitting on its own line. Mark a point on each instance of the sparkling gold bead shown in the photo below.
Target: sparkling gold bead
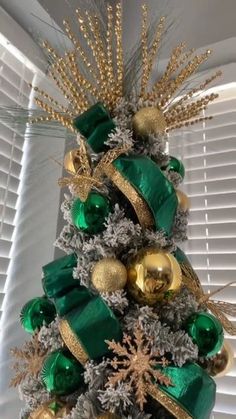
{"x": 109, "y": 275}
{"x": 153, "y": 274}
{"x": 149, "y": 120}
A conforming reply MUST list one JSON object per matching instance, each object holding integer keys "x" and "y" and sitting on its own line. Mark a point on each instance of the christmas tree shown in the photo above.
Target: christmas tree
{"x": 123, "y": 328}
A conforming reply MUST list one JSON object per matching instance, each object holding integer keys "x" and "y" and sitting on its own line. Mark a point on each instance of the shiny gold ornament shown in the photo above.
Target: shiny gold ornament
{"x": 109, "y": 275}
{"x": 72, "y": 161}
{"x": 51, "y": 410}
{"x": 108, "y": 415}
{"x": 183, "y": 199}
{"x": 153, "y": 275}
{"x": 149, "y": 120}
{"x": 222, "y": 363}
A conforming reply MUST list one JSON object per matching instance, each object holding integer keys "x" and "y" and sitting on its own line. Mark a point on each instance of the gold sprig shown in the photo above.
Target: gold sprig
{"x": 218, "y": 308}
{"x": 103, "y": 60}
{"x": 30, "y": 359}
{"x": 136, "y": 364}
{"x": 87, "y": 177}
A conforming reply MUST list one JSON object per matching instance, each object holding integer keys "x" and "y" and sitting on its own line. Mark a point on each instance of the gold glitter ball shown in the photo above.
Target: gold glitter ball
{"x": 152, "y": 274}
{"x": 72, "y": 161}
{"x": 149, "y": 120}
{"x": 183, "y": 200}
{"x": 108, "y": 415}
{"x": 109, "y": 275}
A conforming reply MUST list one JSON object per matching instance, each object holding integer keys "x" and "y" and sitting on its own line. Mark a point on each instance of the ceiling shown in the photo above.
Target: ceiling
{"x": 200, "y": 22}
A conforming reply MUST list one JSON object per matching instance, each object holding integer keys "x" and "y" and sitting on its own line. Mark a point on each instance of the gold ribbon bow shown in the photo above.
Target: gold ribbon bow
{"x": 218, "y": 308}
{"x": 86, "y": 176}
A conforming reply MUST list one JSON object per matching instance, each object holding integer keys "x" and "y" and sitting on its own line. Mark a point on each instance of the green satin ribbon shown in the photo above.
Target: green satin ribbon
{"x": 68, "y": 261}
{"x": 90, "y": 320}
{"x": 147, "y": 178}
{"x": 95, "y": 124}
{"x": 93, "y": 322}
{"x": 193, "y": 389}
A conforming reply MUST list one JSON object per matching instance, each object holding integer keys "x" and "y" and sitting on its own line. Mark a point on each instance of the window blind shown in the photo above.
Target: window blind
{"x": 209, "y": 156}
{"x": 14, "y": 92}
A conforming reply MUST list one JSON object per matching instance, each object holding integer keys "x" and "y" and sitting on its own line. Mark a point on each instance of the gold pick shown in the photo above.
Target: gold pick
{"x": 218, "y": 308}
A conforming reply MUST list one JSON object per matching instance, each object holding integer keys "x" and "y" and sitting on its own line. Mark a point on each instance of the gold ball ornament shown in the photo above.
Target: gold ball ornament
{"x": 109, "y": 275}
{"x": 72, "y": 161}
{"x": 183, "y": 200}
{"x": 153, "y": 275}
{"x": 108, "y": 415}
{"x": 51, "y": 410}
{"x": 149, "y": 120}
{"x": 221, "y": 363}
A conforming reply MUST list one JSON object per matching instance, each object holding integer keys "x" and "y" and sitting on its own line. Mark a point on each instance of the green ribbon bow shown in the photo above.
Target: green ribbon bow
{"x": 138, "y": 177}
{"x": 95, "y": 124}
{"x": 87, "y": 320}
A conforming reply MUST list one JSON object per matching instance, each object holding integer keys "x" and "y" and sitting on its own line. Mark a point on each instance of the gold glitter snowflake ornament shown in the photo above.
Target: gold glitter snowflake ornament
{"x": 135, "y": 365}
{"x": 29, "y": 360}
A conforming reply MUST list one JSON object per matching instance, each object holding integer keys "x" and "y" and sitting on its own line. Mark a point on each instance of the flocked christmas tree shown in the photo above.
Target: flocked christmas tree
{"x": 123, "y": 329}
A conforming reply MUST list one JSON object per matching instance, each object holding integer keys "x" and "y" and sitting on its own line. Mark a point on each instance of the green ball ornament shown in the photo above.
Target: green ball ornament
{"x": 90, "y": 215}
{"x": 37, "y": 312}
{"x": 61, "y": 373}
{"x": 206, "y": 332}
{"x": 175, "y": 165}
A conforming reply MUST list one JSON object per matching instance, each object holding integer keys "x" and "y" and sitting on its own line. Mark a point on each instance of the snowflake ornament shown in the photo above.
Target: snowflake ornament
{"x": 30, "y": 359}
{"x": 135, "y": 363}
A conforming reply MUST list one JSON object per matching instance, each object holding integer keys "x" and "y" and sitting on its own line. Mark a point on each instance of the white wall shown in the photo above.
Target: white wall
{"x": 36, "y": 227}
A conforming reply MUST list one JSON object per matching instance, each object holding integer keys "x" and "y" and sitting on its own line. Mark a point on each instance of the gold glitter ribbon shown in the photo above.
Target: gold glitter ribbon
{"x": 171, "y": 405}
{"x": 72, "y": 342}
{"x": 218, "y": 308}
{"x": 141, "y": 208}
{"x": 86, "y": 176}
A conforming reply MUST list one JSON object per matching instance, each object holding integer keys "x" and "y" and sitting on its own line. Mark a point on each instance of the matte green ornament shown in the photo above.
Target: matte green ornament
{"x": 90, "y": 215}
{"x": 61, "y": 373}
{"x": 206, "y": 332}
{"x": 37, "y": 312}
{"x": 95, "y": 124}
{"x": 175, "y": 165}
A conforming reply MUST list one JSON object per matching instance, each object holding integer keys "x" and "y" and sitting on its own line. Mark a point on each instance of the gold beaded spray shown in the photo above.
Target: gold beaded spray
{"x": 103, "y": 60}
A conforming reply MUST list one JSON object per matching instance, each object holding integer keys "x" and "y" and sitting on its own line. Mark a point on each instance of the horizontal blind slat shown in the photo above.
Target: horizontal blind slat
{"x": 7, "y": 231}
{"x": 4, "y": 263}
{"x": 9, "y": 182}
{"x": 7, "y": 214}
{"x": 3, "y": 278}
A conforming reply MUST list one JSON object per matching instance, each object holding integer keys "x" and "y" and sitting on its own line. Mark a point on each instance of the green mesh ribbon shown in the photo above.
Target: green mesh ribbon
{"x": 87, "y": 320}
{"x": 147, "y": 178}
{"x": 95, "y": 124}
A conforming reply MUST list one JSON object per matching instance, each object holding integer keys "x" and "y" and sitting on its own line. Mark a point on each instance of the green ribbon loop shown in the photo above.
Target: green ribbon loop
{"x": 193, "y": 389}
{"x": 147, "y": 178}
{"x": 93, "y": 322}
{"x": 89, "y": 319}
{"x": 95, "y": 124}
